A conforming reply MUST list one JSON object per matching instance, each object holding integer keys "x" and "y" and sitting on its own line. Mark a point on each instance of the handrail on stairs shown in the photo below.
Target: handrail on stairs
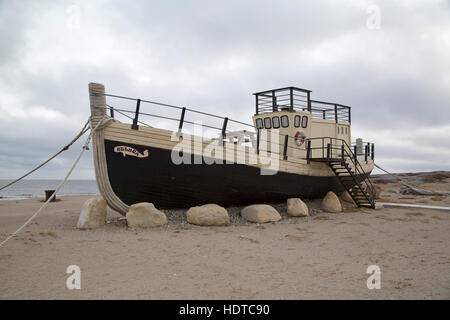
{"x": 345, "y": 152}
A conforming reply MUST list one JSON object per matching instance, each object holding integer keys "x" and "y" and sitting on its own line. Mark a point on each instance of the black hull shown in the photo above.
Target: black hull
{"x": 157, "y": 180}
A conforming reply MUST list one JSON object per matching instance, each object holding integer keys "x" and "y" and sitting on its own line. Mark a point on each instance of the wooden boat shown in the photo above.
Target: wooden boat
{"x": 296, "y": 147}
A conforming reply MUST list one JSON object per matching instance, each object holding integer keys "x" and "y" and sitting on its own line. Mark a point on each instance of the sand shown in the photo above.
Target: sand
{"x": 324, "y": 256}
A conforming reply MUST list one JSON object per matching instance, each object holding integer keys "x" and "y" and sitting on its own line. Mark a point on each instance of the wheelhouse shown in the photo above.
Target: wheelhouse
{"x": 293, "y": 113}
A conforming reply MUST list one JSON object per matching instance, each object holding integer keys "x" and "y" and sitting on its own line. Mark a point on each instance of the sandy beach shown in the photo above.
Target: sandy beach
{"x": 324, "y": 256}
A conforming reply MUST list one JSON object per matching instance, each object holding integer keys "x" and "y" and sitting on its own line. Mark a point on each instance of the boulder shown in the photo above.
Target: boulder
{"x": 331, "y": 203}
{"x": 93, "y": 214}
{"x": 145, "y": 215}
{"x": 208, "y": 215}
{"x": 345, "y": 196}
{"x": 260, "y": 213}
{"x": 297, "y": 208}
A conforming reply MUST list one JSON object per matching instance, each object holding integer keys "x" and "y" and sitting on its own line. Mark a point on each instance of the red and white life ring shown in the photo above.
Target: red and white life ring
{"x": 300, "y": 138}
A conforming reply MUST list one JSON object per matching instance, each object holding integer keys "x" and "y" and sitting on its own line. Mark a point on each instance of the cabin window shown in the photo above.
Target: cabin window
{"x": 297, "y": 121}
{"x": 259, "y": 123}
{"x": 276, "y": 122}
{"x": 284, "y": 121}
{"x": 346, "y": 132}
{"x": 267, "y": 123}
{"x": 304, "y": 121}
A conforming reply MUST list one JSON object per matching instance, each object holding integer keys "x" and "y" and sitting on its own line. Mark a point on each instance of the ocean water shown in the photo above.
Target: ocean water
{"x": 25, "y": 189}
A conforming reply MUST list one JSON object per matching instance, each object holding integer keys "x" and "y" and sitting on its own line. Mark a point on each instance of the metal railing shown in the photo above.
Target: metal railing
{"x": 327, "y": 150}
{"x": 367, "y": 150}
{"x": 338, "y": 149}
{"x": 283, "y": 99}
{"x": 181, "y": 119}
{"x": 289, "y": 142}
{"x": 292, "y": 98}
{"x": 330, "y": 111}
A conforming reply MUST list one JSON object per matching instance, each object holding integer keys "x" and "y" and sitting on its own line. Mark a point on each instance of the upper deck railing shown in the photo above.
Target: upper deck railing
{"x": 176, "y": 118}
{"x": 292, "y": 98}
{"x": 283, "y": 99}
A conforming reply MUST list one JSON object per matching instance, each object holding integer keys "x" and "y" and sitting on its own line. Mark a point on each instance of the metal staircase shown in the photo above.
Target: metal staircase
{"x": 345, "y": 166}
{"x": 357, "y": 189}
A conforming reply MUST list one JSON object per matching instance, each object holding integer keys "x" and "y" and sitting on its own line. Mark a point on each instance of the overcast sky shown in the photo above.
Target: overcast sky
{"x": 388, "y": 60}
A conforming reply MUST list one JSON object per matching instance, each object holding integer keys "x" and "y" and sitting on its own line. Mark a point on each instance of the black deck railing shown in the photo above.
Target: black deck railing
{"x": 181, "y": 120}
{"x": 367, "y": 150}
{"x": 331, "y": 148}
{"x": 283, "y": 99}
{"x": 330, "y": 111}
{"x": 288, "y": 141}
{"x": 182, "y": 117}
{"x": 136, "y": 118}
{"x": 292, "y": 99}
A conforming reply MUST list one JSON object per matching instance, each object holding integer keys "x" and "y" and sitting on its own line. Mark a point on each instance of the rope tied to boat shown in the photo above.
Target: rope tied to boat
{"x": 415, "y": 189}
{"x": 85, "y": 147}
{"x": 104, "y": 123}
{"x": 66, "y": 147}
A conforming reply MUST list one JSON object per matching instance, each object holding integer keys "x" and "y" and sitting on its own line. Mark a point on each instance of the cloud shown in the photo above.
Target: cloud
{"x": 212, "y": 55}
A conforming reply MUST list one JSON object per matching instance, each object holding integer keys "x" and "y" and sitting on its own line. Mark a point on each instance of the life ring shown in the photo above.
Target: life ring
{"x": 300, "y": 138}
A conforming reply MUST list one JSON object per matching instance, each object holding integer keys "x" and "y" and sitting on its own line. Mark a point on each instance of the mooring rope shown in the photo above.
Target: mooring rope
{"x": 85, "y": 146}
{"x": 413, "y": 187}
{"x": 393, "y": 175}
{"x": 80, "y": 134}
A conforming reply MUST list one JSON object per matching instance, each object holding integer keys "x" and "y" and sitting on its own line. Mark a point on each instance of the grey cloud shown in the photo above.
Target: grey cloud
{"x": 213, "y": 55}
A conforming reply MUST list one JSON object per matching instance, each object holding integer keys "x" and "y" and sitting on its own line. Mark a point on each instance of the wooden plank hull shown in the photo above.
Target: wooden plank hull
{"x": 157, "y": 179}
